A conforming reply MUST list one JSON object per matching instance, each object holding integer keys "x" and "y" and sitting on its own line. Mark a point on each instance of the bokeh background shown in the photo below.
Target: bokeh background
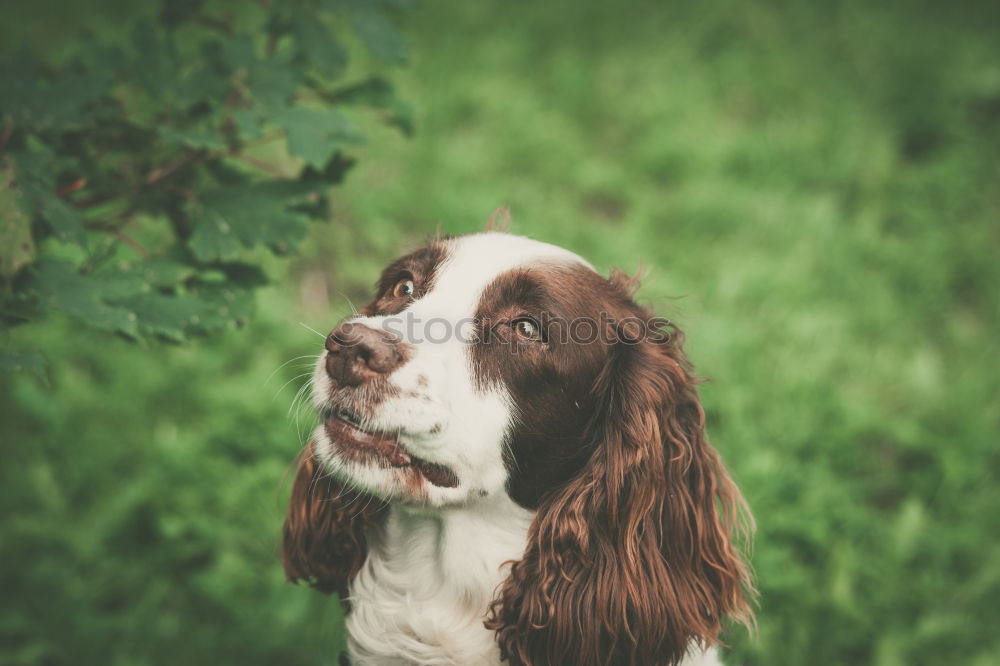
{"x": 814, "y": 189}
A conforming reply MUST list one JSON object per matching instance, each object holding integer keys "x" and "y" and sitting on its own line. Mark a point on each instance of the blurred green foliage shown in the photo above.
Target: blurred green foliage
{"x": 815, "y": 191}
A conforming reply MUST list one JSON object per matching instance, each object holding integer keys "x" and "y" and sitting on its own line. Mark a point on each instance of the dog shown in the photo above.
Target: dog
{"x": 511, "y": 467}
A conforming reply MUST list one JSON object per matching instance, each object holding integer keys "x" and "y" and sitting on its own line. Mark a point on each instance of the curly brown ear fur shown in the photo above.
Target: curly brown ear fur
{"x": 324, "y": 533}
{"x": 632, "y": 561}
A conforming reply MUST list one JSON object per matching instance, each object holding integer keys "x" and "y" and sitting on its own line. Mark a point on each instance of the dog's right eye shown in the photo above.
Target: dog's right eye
{"x": 404, "y": 288}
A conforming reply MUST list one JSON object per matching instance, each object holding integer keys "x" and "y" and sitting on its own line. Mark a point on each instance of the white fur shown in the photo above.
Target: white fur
{"x": 423, "y": 593}
{"x": 424, "y": 590}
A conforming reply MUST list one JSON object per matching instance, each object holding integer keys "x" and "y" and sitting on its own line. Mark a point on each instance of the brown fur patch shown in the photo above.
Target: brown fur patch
{"x": 630, "y": 558}
{"x": 324, "y": 537}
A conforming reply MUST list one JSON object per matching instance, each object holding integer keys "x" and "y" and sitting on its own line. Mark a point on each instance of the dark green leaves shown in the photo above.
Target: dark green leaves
{"x": 60, "y": 287}
{"x": 158, "y": 299}
{"x": 30, "y": 362}
{"x": 375, "y": 30}
{"x": 17, "y": 247}
{"x": 378, "y": 93}
{"x": 242, "y": 216}
{"x": 139, "y": 176}
{"x": 41, "y": 98}
{"x": 316, "y": 45}
{"x": 316, "y": 134}
{"x": 62, "y": 219}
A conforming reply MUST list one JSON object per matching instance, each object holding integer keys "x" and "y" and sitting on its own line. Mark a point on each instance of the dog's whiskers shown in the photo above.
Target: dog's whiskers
{"x": 310, "y": 328}
{"x": 291, "y": 360}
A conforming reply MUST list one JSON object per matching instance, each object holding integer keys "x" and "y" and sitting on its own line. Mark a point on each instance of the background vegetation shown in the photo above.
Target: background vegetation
{"x": 815, "y": 188}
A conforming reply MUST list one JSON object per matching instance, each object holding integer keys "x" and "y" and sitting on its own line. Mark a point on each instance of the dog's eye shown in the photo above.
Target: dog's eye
{"x": 403, "y": 289}
{"x": 528, "y": 329}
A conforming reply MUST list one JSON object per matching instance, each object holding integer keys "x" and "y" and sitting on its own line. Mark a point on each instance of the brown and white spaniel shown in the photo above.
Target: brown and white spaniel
{"x": 512, "y": 468}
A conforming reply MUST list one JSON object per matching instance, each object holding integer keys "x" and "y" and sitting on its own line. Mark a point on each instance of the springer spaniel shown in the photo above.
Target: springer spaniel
{"x": 512, "y": 468}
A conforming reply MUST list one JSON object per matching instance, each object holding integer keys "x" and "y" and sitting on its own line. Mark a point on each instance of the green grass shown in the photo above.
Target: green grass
{"x": 814, "y": 190}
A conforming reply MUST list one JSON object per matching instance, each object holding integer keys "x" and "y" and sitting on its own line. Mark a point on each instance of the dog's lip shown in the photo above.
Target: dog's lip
{"x": 361, "y": 443}
{"x": 345, "y": 428}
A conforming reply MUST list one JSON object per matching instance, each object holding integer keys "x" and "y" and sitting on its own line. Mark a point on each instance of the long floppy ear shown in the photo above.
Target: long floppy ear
{"x": 632, "y": 561}
{"x": 324, "y": 534}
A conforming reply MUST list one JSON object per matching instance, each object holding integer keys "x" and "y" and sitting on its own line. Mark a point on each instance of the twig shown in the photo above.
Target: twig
{"x": 264, "y": 139}
{"x": 77, "y": 184}
{"x": 261, "y": 164}
{"x": 159, "y": 173}
{"x": 126, "y": 239}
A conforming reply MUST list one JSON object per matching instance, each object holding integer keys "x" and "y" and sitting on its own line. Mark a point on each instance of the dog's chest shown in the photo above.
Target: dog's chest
{"x": 424, "y": 591}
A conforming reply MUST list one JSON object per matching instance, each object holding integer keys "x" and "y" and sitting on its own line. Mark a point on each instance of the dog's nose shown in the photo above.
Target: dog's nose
{"x": 358, "y": 354}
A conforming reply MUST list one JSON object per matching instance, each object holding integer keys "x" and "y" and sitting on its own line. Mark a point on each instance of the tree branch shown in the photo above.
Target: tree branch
{"x": 159, "y": 173}
{"x": 261, "y": 164}
{"x": 69, "y": 188}
{"x": 116, "y": 231}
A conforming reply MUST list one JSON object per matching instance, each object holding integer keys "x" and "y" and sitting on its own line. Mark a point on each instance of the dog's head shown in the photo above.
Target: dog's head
{"x": 492, "y": 365}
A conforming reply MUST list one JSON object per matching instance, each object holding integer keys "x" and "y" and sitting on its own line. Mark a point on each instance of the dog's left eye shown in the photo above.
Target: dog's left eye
{"x": 528, "y": 329}
{"x": 403, "y": 289}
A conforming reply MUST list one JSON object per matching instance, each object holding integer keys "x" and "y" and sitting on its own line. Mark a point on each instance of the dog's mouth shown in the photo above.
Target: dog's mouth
{"x": 365, "y": 445}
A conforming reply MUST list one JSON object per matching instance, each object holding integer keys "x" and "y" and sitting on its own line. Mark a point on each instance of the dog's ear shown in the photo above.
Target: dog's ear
{"x": 632, "y": 561}
{"x": 499, "y": 220}
{"x": 324, "y": 534}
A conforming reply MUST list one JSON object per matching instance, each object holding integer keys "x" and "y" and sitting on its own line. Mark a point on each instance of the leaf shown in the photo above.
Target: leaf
{"x": 213, "y": 238}
{"x": 175, "y": 12}
{"x": 30, "y": 362}
{"x": 157, "y": 272}
{"x": 155, "y": 64}
{"x": 33, "y": 168}
{"x": 246, "y": 215}
{"x": 63, "y": 220}
{"x": 377, "y": 33}
{"x": 332, "y": 173}
{"x": 316, "y": 134}
{"x": 270, "y": 81}
{"x": 202, "y": 83}
{"x": 167, "y": 316}
{"x": 135, "y": 300}
{"x": 315, "y": 44}
{"x": 244, "y": 275}
{"x": 249, "y": 124}
{"x": 63, "y": 288}
{"x": 378, "y": 93}
{"x": 35, "y": 99}
{"x": 17, "y": 248}
{"x": 226, "y": 306}
{"x": 97, "y": 56}
{"x": 273, "y": 82}
{"x": 198, "y": 138}
{"x": 238, "y": 53}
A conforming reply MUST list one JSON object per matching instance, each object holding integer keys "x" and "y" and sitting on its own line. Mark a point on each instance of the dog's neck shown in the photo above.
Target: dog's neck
{"x": 430, "y": 576}
{"x": 424, "y": 591}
